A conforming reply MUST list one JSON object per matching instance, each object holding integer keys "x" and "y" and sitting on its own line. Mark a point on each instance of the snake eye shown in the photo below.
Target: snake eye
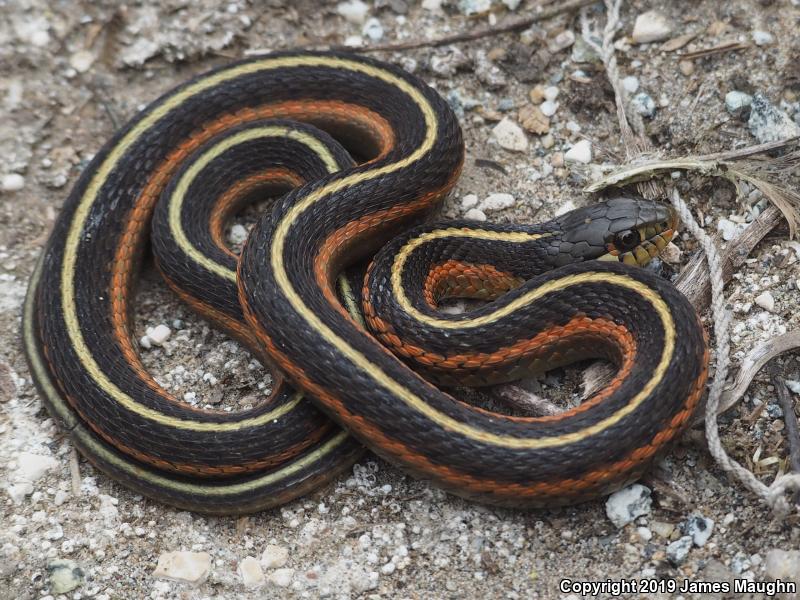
{"x": 627, "y": 240}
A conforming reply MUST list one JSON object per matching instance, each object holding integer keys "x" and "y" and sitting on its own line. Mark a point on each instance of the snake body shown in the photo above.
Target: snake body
{"x": 184, "y": 165}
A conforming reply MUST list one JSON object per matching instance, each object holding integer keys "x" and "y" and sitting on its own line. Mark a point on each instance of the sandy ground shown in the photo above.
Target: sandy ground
{"x": 73, "y": 71}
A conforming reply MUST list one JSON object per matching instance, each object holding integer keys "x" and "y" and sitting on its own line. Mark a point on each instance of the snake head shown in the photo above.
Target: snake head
{"x": 624, "y": 228}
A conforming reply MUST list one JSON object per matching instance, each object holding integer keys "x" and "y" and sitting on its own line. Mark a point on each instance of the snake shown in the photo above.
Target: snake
{"x": 340, "y": 290}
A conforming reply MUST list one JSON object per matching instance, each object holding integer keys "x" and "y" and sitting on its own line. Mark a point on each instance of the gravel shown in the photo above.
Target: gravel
{"x": 73, "y": 73}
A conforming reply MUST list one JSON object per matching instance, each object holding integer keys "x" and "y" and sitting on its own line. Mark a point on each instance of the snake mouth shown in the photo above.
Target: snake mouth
{"x": 650, "y": 239}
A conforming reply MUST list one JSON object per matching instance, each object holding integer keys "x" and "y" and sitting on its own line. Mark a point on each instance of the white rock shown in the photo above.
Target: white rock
{"x": 432, "y": 5}
{"x": 353, "y": 41}
{"x": 548, "y": 108}
{"x": 729, "y": 229}
{"x": 475, "y": 214}
{"x": 12, "y": 182}
{"x": 238, "y": 234}
{"x": 354, "y": 11}
{"x": 769, "y": 124}
{"x": 18, "y": 491}
{"x": 274, "y": 557}
{"x": 736, "y": 101}
{"x": 644, "y": 534}
{"x": 81, "y": 61}
{"x": 33, "y": 467}
{"x": 763, "y": 38}
{"x": 562, "y": 41}
{"x": 189, "y": 567}
{"x": 581, "y": 152}
{"x": 627, "y": 504}
{"x": 512, "y": 4}
{"x": 550, "y": 93}
{"x": 158, "y": 334}
{"x": 474, "y": 7}
{"x": 643, "y": 104}
{"x": 144, "y": 342}
{"x": 783, "y": 565}
{"x": 373, "y": 29}
{"x": 40, "y": 38}
{"x": 510, "y": 136}
{"x": 793, "y": 385}
{"x": 700, "y": 528}
{"x": 678, "y": 550}
{"x": 282, "y": 577}
{"x": 766, "y": 301}
{"x": 64, "y": 575}
{"x": 251, "y": 573}
{"x": 631, "y": 84}
{"x": 469, "y": 201}
{"x": 497, "y": 201}
{"x": 651, "y": 26}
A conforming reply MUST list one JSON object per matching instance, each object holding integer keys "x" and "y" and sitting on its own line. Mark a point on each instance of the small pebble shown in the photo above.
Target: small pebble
{"x": 699, "y": 528}
{"x": 274, "y": 557}
{"x": 551, "y": 93}
{"x": 678, "y": 550}
{"x": 762, "y": 38}
{"x": 548, "y": 108}
{"x": 158, "y": 334}
{"x": 631, "y": 84}
{"x": 562, "y": 41}
{"x": 537, "y": 94}
{"x": 12, "y": 182}
{"x": 354, "y": 11}
{"x": 625, "y": 505}
{"x": 686, "y": 67}
{"x": 768, "y": 123}
{"x": 469, "y": 201}
{"x": 534, "y": 120}
{"x": 474, "y": 7}
{"x": 581, "y": 152}
{"x": 644, "y": 105}
{"x": 188, "y": 567}
{"x": 282, "y": 577}
{"x": 475, "y": 214}
{"x": 736, "y": 102}
{"x": 251, "y": 573}
{"x": 33, "y": 467}
{"x": 793, "y": 385}
{"x": 548, "y": 141}
{"x": 783, "y": 565}
{"x": 510, "y": 136}
{"x": 64, "y": 576}
{"x": 81, "y": 61}
{"x": 373, "y": 29}
{"x": 729, "y": 229}
{"x": 237, "y": 235}
{"x": 651, "y": 26}
{"x": 497, "y": 201}
{"x": 766, "y": 301}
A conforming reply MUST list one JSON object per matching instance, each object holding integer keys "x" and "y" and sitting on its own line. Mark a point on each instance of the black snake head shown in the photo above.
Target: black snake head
{"x": 624, "y": 228}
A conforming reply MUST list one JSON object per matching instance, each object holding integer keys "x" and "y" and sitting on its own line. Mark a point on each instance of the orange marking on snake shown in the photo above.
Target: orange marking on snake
{"x": 457, "y": 279}
{"x": 233, "y": 197}
{"x": 322, "y": 113}
{"x": 544, "y": 492}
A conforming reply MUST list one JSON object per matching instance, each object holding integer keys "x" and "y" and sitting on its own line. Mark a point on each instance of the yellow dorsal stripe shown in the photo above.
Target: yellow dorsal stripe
{"x": 178, "y": 196}
{"x": 90, "y": 195}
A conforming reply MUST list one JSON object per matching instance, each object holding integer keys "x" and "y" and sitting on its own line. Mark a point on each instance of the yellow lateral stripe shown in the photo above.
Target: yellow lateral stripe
{"x": 405, "y": 252}
{"x": 99, "y": 178}
{"x": 97, "y": 449}
{"x": 178, "y": 196}
{"x": 397, "y": 389}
